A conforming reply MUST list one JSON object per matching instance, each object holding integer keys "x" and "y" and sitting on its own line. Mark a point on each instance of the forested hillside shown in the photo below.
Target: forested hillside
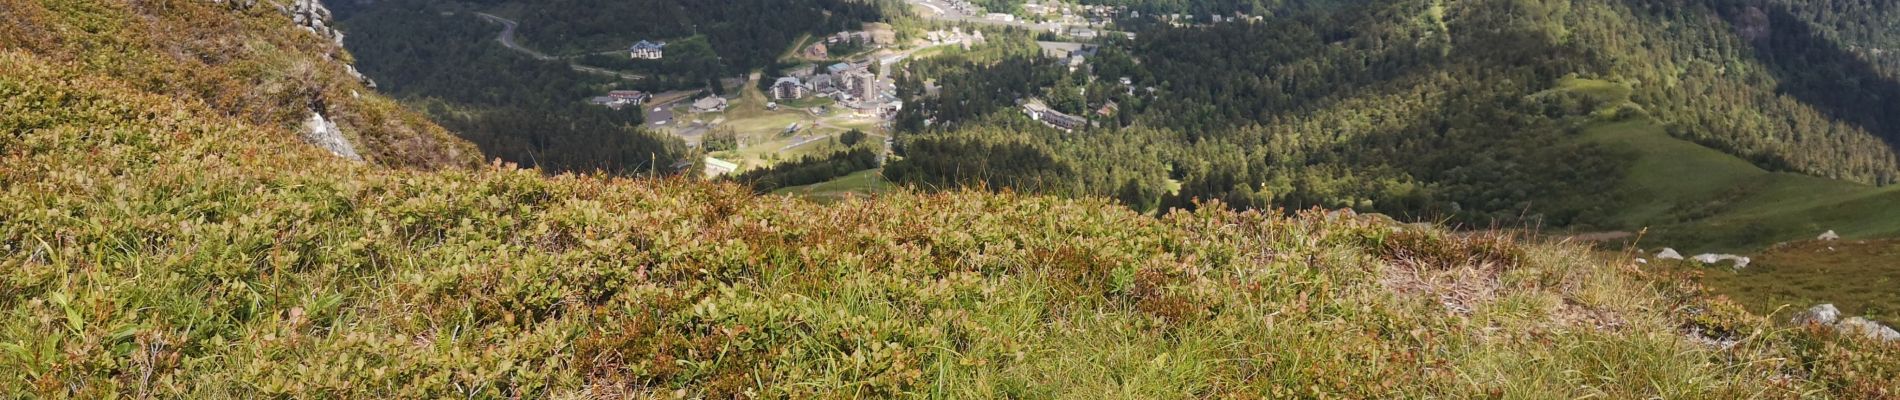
{"x": 746, "y": 34}
{"x": 442, "y": 57}
{"x": 515, "y": 107}
{"x": 1468, "y": 110}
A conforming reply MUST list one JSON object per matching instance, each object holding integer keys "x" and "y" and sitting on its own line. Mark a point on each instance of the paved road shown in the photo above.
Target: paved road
{"x": 803, "y": 142}
{"x": 507, "y": 39}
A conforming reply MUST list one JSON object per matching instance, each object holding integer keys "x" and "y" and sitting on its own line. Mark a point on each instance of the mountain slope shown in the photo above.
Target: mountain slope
{"x": 157, "y": 245}
{"x": 1432, "y": 110}
{"x": 273, "y": 65}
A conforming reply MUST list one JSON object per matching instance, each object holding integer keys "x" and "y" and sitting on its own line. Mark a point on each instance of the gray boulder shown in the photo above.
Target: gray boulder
{"x": 321, "y": 132}
{"x": 1862, "y": 326}
{"x": 1829, "y": 236}
{"x": 1825, "y": 314}
{"x": 1668, "y": 254}
{"x": 1739, "y": 261}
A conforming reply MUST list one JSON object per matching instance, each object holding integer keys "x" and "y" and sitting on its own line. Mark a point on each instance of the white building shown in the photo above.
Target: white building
{"x": 787, "y": 88}
{"x": 646, "y": 50}
{"x": 710, "y": 104}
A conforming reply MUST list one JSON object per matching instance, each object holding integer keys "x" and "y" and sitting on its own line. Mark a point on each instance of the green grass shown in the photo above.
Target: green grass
{"x": 1857, "y": 276}
{"x": 1698, "y": 199}
{"x": 859, "y": 183}
{"x": 805, "y": 103}
{"x": 1610, "y": 94}
{"x": 153, "y": 245}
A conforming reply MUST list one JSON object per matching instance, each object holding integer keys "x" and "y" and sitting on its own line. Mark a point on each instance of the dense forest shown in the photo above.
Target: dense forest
{"x": 1467, "y": 111}
{"x": 745, "y": 34}
{"x": 441, "y": 58}
{"x": 512, "y": 106}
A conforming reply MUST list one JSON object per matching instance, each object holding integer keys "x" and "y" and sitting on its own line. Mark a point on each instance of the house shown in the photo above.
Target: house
{"x": 859, "y": 37}
{"x": 1063, "y": 50}
{"x": 840, "y": 68}
{"x": 1108, "y": 110}
{"x": 631, "y": 97}
{"x": 1041, "y": 112}
{"x": 681, "y": 166}
{"x": 889, "y": 110}
{"x": 605, "y": 101}
{"x": 822, "y": 83}
{"x": 787, "y": 88}
{"x": 1001, "y": 17}
{"x": 709, "y": 104}
{"x": 1083, "y": 33}
{"x": 848, "y": 83}
{"x": 817, "y": 50}
{"x": 645, "y": 50}
{"x": 866, "y": 86}
{"x": 717, "y": 167}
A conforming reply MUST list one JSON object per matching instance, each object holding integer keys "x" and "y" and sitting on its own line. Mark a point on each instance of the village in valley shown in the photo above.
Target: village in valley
{"x": 841, "y": 83}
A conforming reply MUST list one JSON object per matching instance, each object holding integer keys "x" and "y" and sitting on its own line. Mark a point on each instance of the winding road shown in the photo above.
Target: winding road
{"x": 507, "y": 39}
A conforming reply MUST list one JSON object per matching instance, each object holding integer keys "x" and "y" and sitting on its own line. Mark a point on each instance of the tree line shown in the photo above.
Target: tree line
{"x": 1412, "y": 108}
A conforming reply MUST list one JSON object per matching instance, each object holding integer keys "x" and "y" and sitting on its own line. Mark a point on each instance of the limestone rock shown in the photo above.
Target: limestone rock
{"x": 314, "y": 17}
{"x": 1668, "y": 254}
{"x": 1709, "y": 258}
{"x": 1863, "y": 326}
{"x": 323, "y": 133}
{"x": 1824, "y": 314}
{"x": 1829, "y": 236}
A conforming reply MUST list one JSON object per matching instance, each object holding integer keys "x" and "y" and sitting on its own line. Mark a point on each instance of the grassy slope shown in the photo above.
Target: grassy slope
{"x": 176, "y": 253}
{"x": 153, "y": 244}
{"x": 1697, "y": 199}
{"x": 1858, "y": 276}
{"x": 859, "y": 183}
{"x": 1702, "y": 200}
{"x": 249, "y": 63}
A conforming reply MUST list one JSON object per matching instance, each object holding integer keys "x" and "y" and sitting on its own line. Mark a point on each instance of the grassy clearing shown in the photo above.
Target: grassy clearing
{"x": 1699, "y": 199}
{"x": 861, "y": 183}
{"x": 807, "y": 102}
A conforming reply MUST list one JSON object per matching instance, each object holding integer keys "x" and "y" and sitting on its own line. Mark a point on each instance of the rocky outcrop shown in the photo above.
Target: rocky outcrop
{"x": 314, "y": 17}
{"x": 1829, "y": 236}
{"x": 1827, "y": 315}
{"x": 1864, "y": 327}
{"x": 1668, "y": 254}
{"x": 1707, "y": 258}
{"x": 323, "y": 133}
{"x": 351, "y": 69}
